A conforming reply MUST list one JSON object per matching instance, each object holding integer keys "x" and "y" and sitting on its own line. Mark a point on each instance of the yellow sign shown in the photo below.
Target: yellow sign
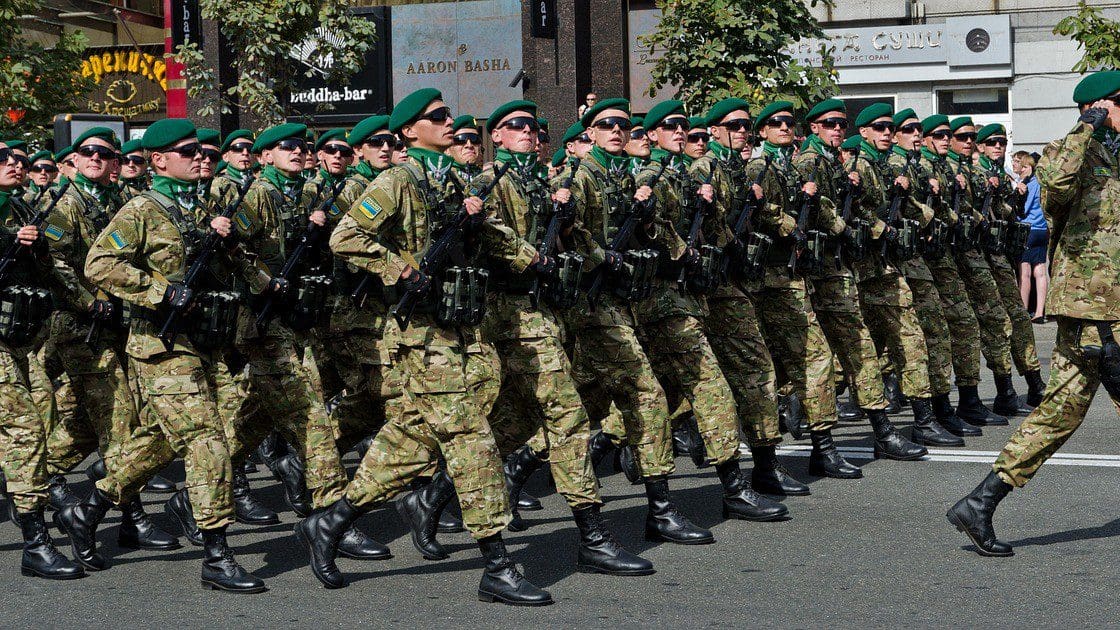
{"x": 129, "y": 82}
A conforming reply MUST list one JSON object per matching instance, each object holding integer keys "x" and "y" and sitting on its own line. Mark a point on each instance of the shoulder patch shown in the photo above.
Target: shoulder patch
{"x": 369, "y": 208}
{"x": 1102, "y": 171}
{"x": 53, "y": 232}
{"x": 242, "y": 220}
{"x": 334, "y": 210}
{"x": 118, "y": 240}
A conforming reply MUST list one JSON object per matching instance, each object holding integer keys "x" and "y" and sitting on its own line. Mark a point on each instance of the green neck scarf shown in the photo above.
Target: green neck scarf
{"x": 520, "y": 160}
{"x": 871, "y": 151}
{"x": 637, "y": 164}
{"x": 781, "y": 155}
{"x": 987, "y": 164}
{"x": 288, "y": 184}
{"x": 931, "y": 156}
{"x": 235, "y": 174}
{"x": 365, "y": 169}
{"x": 432, "y": 161}
{"x": 179, "y": 190}
{"x": 719, "y": 150}
{"x": 609, "y": 161}
{"x": 327, "y": 177}
{"x": 5, "y": 209}
{"x": 815, "y": 144}
{"x": 958, "y": 158}
{"x": 897, "y": 150}
{"x": 99, "y": 191}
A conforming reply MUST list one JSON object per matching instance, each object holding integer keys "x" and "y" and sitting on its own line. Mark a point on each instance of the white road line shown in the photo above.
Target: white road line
{"x": 961, "y": 456}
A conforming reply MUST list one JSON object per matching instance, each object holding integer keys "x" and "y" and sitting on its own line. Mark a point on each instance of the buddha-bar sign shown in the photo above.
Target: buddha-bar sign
{"x": 129, "y": 81}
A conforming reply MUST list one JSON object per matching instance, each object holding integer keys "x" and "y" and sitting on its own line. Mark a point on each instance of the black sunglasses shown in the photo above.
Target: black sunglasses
{"x": 436, "y": 116}
{"x": 189, "y": 151}
{"x": 583, "y": 138}
{"x": 610, "y": 122}
{"x": 335, "y": 148}
{"x": 881, "y": 126}
{"x": 213, "y": 155}
{"x": 463, "y": 139}
{"x": 521, "y": 122}
{"x": 381, "y": 140}
{"x": 292, "y": 144}
{"x": 90, "y": 150}
{"x": 833, "y": 123}
{"x": 241, "y": 147}
{"x": 940, "y": 134}
{"x": 637, "y": 133}
{"x": 23, "y": 160}
{"x": 777, "y": 121}
{"x": 135, "y": 160}
{"x": 965, "y": 137}
{"x": 44, "y": 168}
{"x": 699, "y": 136}
{"x": 673, "y": 124}
{"x": 739, "y": 124}
{"x": 995, "y": 142}
{"x": 543, "y": 137}
{"x": 911, "y": 128}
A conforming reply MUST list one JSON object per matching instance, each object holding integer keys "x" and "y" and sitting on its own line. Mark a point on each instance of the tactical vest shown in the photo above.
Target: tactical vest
{"x": 24, "y": 304}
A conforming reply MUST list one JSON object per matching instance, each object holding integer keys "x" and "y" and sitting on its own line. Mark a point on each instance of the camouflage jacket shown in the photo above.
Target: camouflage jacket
{"x": 71, "y": 227}
{"x": 1080, "y": 180}
{"x": 918, "y": 204}
{"x": 822, "y": 164}
{"x": 876, "y": 176}
{"x": 726, "y": 172}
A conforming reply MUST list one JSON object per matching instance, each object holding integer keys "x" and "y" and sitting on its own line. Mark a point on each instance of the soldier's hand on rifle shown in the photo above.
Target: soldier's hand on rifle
{"x": 222, "y": 225}
{"x": 543, "y": 265}
{"x": 691, "y": 257}
{"x": 757, "y": 191}
{"x": 278, "y": 286}
{"x": 563, "y": 195}
{"x": 801, "y": 237}
{"x": 961, "y": 180}
{"x": 416, "y": 281}
{"x": 101, "y": 310}
{"x": 643, "y": 193}
{"x": 993, "y": 181}
{"x": 178, "y": 296}
{"x": 902, "y": 182}
{"x": 318, "y": 218}
{"x": 935, "y": 185}
{"x": 473, "y": 205}
{"x": 707, "y": 192}
{"x": 809, "y": 188}
{"x": 613, "y": 260}
{"x": 1021, "y": 188}
{"x": 27, "y": 235}
{"x": 853, "y": 177}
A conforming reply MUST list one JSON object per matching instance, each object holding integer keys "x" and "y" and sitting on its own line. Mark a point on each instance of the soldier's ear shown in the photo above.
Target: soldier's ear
{"x": 407, "y": 133}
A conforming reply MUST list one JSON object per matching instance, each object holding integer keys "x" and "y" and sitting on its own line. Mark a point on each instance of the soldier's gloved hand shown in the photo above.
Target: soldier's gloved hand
{"x": 1094, "y": 117}
{"x": 278, "y": 286}
{"x": 801, "y": 237}
{"x": 892, "y": 235}
{"x": 544, "y": 266}
{"x": 613, "y": 260}
{"x": 101, "y": 310}
{"x": 418, "y": 282}
{"x": 690, "y": 258}
{"x": 178, "y": 296}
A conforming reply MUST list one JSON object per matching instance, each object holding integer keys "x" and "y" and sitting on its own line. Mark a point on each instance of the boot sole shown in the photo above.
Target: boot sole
{"x": 921, "y": 442}
{"x": 242, "y": 591}
{"x": 85, "y": 565}
{"x": 300, "y": 536}
{"x": 490, "y": 598}
{"x": 780, "y": 493}
{"x": 983, "y": 422}
{"x": 160, "y": 490}
{"x": 450, "y": 530}
{"x": 245, "y": 521}
{"x": 32, "y": 573}
{"x": 756, "y": 519}
{"x": 182, "y": 526}
{"x": 586, "y": 568}
{"x": 354, "y": 556}
{"x": 899, "y": 458}
{"x": 651, "y": 537}
{"x": 132, "y": 544}
{"x": 822, "y": 473}
{"x": 955, "y": 522}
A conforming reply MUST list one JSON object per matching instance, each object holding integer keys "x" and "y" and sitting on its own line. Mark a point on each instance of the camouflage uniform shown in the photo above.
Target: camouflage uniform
{"x": 129, "y": 188}
{"x": 448, "y": 375}
{"x": 789, "y": 325}
{"x": 1080, "y": 177}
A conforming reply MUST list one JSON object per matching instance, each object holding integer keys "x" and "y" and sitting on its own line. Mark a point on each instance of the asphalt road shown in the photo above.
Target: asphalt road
{"x": 874, "y": 552}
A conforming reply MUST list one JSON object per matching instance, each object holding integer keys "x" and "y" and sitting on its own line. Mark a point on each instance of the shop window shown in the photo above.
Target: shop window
{"x": 972, "y": 101}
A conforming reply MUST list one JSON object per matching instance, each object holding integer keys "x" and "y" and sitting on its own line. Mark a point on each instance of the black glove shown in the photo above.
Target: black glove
{"x": 690, "y": 258}
{"x": 178, "y": 296}
{"x": 102, "y": 310}
{"x": 546, "y": 266}
{"x": 278, "y": 286}
{"x": 892, "y": 235}
{"x": 475, "y": 220}
{"x": 1094, "y": 117}
{"x": 801, "y": 238}
{"x": 613, "y": 260}
{"x": 419, "y": 282}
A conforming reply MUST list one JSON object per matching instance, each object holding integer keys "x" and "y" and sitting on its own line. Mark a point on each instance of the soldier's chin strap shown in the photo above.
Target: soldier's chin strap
{"x": 1110, "y": 360}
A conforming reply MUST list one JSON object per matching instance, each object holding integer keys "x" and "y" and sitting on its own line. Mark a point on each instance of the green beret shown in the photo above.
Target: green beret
{"x": 725, "y": 107}
{"x": 18, "y": 145}
{"x": 411, "y": 106}
{"x": 663, "y": 110}
{"x": 933, "y": 122}
{"x": 164, "y": 133}
{"x": 602, "y": 106}
{"x": 506, "y": 109}
{"x": 269, "y": 137}
{"x": 987, "y": 131}
{"x": 63, "y": 153}
{"x": 824, "y": 107}
{"x": 638, "y": 122}
{"x": 132, "y": 146}
{"x": 573, "y": 132}
{"x": 209, "y": 136}
{"x": 1097, "y": 86}
{"x": 337, "y": 133}
{"x": 770, "y": 110}
{"x": 873, "y": 112}
{"x": 42, "y": 155}
{"x": 542, "y": 122}
{"x": 466, "y": 121}
{"x": 559, "y": 157}
{"x": 697, "y": 122}
{"x": 105, "y": 133}
{"x": 237, "y": 134}
{"x": 365, "y": 129}
{"x": 960, "y": 121}
{"x": 903, "y": 116}
{"x": 852, "y": 143}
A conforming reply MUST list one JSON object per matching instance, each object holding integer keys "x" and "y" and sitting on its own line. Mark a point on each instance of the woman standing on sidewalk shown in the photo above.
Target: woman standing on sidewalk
{"x": 1032, "y": 264}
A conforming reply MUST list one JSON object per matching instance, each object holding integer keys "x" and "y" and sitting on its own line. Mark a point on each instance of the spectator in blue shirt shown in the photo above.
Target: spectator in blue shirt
{"x": 1033, "y": 267}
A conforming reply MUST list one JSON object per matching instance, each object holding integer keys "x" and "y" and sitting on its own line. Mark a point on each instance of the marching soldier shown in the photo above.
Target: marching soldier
{"x": 42, "y": 174}
{"x": 134, "y": 170}
{"x": 374, "y": 143}
{"x": 1080, "y": 176}
{"x": 576, "y": 141}
{"x": 638, "y": 146}
{"x": 466, "y": 147}
{"x": 211, "y": 141}
{"x": 237, "y": 154}
{"x": 65, "y": 161}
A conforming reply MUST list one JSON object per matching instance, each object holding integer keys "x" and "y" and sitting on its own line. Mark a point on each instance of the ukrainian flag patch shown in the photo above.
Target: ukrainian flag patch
{"x": 53, "y": 232}
{"x": 334, "y": 210}
{"x": 117, "y": 240}
{"x": 1102, "y": 171}
{"x": 370, "y": 208}
{"x": 242, "y": 221}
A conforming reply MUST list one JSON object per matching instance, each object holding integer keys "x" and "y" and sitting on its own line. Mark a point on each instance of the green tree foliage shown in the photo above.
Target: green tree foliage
{"x": 277, "y": 42}
{"x": 1097, "y": 35}
{"x": 36, "y": 82}
{"x": 712, "y": 49}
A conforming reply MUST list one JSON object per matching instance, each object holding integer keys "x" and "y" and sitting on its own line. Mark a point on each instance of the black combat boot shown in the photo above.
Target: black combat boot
{"x": 249, "y": 467}
{"x": 973, "y": 411}
{"x": 246, "y": 507}
{"x": 80, "y": 524}
{"x": 889, "y": 443}
{"x": 1035, "y": 387}
{"x": 220, "y": 571}
{"x": 450, "y": 522}
{"x": 848, "y": 411}
{"x": 96, "y": 471}
{"x": 178, "y": 507}
{"x": 59, "y": 493}
{"x": 740, "y": 501}
{"x": 358, "y": 545}
{"x": 1007, "y": 401}
{"x": 892, "y": 391}
{"x": 40, "y": 557}
{"x": 826, "y": 461}
{"x": 973, "y": 516}
{"x": 947, "y": 418}
{"x": 321, "y": 532}
{"x": 626, "y": 462}
{"x": 927, "y": 431}
{"x": 137, "y": 531}
{"x": 600, "y": 552}
{"x": 771, "y": 477}
{"x": 159, "y": 485}
{"x": 363, "y": 445}
{"x": 665, "y": 523}
{"x": 682, "y": 440}
{"x": 420, "y": 510}
{"x": 598, "y": 447}
{"x": 528, "y": 502}
{"x": 791, "y": 415}
{"x": 519, "y": 466}
{"x": 502, "y": 582}
{"x": 288, "y": 470}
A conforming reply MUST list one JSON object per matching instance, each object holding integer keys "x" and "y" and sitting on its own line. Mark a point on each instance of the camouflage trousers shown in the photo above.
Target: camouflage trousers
{"x": 797, "y": 346}
{"x": 1023, "y": 351}
{"x": 964, "y": 329}
{"x": 538, "y": 403}
{"x": 447, "y": 393}
{"x": 179, "y": 415}
{"x": 352, "y": 367}
{"x": 1074, "y": 380}
{"x": 836, "y": 303}
{"x": 995, "y": 325}
{"x": 22, "y": 432}
{"x": 735, "y": 338}
{"x": 939, "y": 348}
{"x": 686, "y": 366}
{"x": 281, "y": 398}
{"x": 887, "y": 305}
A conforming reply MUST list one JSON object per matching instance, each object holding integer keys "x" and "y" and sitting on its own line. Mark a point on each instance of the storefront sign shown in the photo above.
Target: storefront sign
{"x": 129, "y": 82}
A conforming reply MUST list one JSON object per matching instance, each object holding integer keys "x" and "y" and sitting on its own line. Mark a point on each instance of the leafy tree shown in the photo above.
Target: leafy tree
{"x": 36, "y": 82}
{"x": 276, "y": 42}
{"x": 712, "y": 49}
{"x": 1097, "y": 35}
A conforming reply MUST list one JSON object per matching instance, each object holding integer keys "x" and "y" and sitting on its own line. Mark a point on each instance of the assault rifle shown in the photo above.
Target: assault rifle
{"x": 561, "y": 213}
{"x": 850, "y": 192}
{"x": 702, "y": 206}
{"x": 808, "y": 202}
{"x": 742, "y": 223}
{"x": 9, "y": 257}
